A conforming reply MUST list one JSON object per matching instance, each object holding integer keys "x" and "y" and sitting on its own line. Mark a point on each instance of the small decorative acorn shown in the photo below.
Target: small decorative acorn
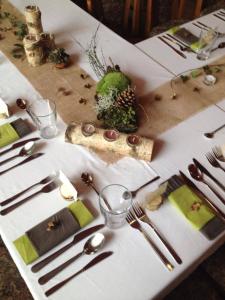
{"x": 127, "y": 98}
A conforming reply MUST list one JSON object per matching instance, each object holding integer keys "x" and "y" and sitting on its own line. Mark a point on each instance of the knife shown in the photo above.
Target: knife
{"x": 177, "y": 51}
{"x": 93, "y": 262}
{"x": 77, "y": 238}
{"x": 182, "y": 43}
{"x": 19, "y": 144}
{"x": 206, "y": 172}
{"x": 31, "y": 157}
{"x": 219, "y": 17}
{"x": 201, "y": 195}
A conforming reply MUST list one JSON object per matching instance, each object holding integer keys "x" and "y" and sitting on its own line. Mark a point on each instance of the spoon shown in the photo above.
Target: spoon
{"x": 220, "y": 46}
{"x": 92, "y": 245}
{"x": 22, "y": 104}
{"x": 198, "y": 175}
{"x": 210, "y": 135}
{"x": 88, "y": 180}
{"x": 27, "y": 149}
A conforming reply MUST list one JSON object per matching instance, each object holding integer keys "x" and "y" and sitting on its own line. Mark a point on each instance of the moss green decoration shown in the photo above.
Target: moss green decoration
{"x": 111, "y": 80}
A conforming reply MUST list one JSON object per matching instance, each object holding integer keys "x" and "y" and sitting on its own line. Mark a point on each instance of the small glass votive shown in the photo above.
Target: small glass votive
{"x": 88, "y": 129}
{"x": 43, "y": 113}
{"x": 133, "y": 140}
{"x": 206, "y": 42}
{"x": 111, "y": 135}
{"x": 114, "y": 206}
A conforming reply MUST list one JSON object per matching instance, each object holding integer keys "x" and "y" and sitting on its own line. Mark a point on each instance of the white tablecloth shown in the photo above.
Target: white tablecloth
{"x": 134, "y": 271}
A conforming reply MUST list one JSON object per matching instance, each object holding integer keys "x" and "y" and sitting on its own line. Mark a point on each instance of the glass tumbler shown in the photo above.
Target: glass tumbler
{"x": 206, "y": 43}
{"x": 43, "y": 113}
{"x": 115, "y": 201}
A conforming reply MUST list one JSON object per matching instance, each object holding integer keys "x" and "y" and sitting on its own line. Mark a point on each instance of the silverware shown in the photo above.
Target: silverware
{"x": 77, "y": 238}
{"x": 218, "y": 153}
{"x": 134, "y": 193}
{"x": 92, "y": 245}
{"x": 31, "y": 157}
{"x": 200, "y": 27}
{"x": 180, "y": 42}
{"x": 212, "y": 160}
{"x": 46, "y": 189}
{"x": 133, "y": 222}
{"x": 220, "y": 46}
{"x": 208, "y": 27}
{"x": 182, "y": 48}
{"x": 140, "y": 213}
{"x": 174, "y": 49}
{"x": 88, "y": 180}
{"x": 93, "y": 262}
{"x": 201, "y": 195}
{"x": 197, "y": 175}
{"x": 210, "y": 135}
{"x": 219, "y": 17}
{"x": 27, "y": 149}
{"x": 207, "y": 173}
{"x": 19, "y": 144}
{"x": 43, "y": 181}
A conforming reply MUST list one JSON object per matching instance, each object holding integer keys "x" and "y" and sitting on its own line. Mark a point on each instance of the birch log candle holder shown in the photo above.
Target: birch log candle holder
{"x": 33, "y": 49}
{"x": 33, "y": 19}
{"x": 97, "y": 141}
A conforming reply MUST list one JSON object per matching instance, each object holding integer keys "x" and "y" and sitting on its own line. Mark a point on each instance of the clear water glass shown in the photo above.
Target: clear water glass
{"x": 206, "y": 42}
{"x": 119, "y": 199}
{"x": 44, "y": 115}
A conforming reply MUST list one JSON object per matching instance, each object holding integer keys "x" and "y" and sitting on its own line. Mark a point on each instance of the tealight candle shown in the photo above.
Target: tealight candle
{"x": 209, "y": 80}
{"x": 111, "y": 135}
{"x": 133, "y": 140}
{"x": 87, "y": 129}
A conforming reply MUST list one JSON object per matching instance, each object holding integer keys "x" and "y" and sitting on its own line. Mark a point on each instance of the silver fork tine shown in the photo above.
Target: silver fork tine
{"x": 218, "y": 153}
{"x": 212, "y": 160}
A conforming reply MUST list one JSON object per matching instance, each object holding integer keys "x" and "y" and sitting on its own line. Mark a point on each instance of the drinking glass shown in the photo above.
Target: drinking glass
{"x": 206, "y": 42}
{"x": 115, "y": 201}
{"x": 43, "y": 113}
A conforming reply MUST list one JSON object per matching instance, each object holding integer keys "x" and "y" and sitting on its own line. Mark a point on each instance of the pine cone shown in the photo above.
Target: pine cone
{"x": 127, "y": 98}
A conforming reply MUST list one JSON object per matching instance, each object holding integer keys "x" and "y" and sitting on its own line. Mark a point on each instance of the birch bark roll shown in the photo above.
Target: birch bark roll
{"x": 33, "y": 19}
{"x": 143, "y": 151}
{"x": 33, "y": 49}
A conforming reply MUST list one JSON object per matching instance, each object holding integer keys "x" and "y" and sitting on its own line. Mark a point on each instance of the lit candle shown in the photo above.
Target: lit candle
{"x": 111, "y": 135}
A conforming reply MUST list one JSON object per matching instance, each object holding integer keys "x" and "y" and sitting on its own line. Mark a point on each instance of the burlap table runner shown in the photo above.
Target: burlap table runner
{"x": 67, "y": 88}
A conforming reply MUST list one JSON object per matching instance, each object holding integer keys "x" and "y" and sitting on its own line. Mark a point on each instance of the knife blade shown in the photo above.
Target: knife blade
{"x": 201, "y": 195}
{"x": 206, "y": 172}
{"x": 19, "y": 144}
{"x": 31, "y": 157}
{"x": 77, "y": 238}
{"x": 219, "y": 17}
{"x": 93, "y": 262}
{"x": 174, "y": 49}
{"x": 181, "y": 42}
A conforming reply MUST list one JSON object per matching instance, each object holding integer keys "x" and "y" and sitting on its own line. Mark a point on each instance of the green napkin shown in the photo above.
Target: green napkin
{"x": 191, "y": 206}
{"x": 7, "y": 135}
{"x": 24, "y": 245}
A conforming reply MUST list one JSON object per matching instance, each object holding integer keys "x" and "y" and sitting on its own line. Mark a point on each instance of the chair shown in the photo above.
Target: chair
{"x": 94, "y": 7}
{"x": 133, "y": 16}
{"x": 181, "y": 8}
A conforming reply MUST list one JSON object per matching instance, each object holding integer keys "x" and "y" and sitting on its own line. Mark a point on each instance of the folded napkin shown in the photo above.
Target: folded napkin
{"x": 39, "y": 239}
{"x": 191, "y": 206}
{"x": 184, "y": 35}
{"x": 10, "y": 132}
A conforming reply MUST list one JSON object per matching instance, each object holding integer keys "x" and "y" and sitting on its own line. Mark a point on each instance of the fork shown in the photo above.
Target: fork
{"x": 218, "y": 153}
{"x": 133, "y": 222}
{"x": 141, "y": 215}
{"x": 212, "y": 160}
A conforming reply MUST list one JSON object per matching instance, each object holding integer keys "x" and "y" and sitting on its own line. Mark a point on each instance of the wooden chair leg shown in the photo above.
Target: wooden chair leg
{"x": 148, "y": 22}
{"x": 181, "y": 8}
{"x": 198, "y": 8}
{"x": 136, "y": 17}
{"x": 126, "y": 14}
{"x": 89, "y": 5}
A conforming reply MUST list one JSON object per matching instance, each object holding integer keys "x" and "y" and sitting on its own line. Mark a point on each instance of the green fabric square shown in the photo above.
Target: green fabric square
{"x": 191, "y": 206}
{"x": 7, "y": 135}
{"x": 81, "y": 213}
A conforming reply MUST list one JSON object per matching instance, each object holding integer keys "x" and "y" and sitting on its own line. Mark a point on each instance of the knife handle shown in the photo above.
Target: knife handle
{"x": 215, "y": 192}
{"x": 38, "y": 266}
{"x": 7, "y": 210}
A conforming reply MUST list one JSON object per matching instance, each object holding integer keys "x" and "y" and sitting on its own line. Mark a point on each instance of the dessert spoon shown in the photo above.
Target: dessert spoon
{"x": 210, "y": 135}
{"x": 92, "y": 245}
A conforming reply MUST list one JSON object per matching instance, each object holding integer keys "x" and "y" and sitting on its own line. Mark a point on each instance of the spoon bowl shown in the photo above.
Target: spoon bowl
{"x": 220, "y": 46}
{"x": 195, "y": 173}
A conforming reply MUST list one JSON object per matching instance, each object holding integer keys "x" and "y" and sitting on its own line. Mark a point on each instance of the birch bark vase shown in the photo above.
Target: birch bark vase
{"x": 33, "y": 49}
{"x": 33, "y": 19}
